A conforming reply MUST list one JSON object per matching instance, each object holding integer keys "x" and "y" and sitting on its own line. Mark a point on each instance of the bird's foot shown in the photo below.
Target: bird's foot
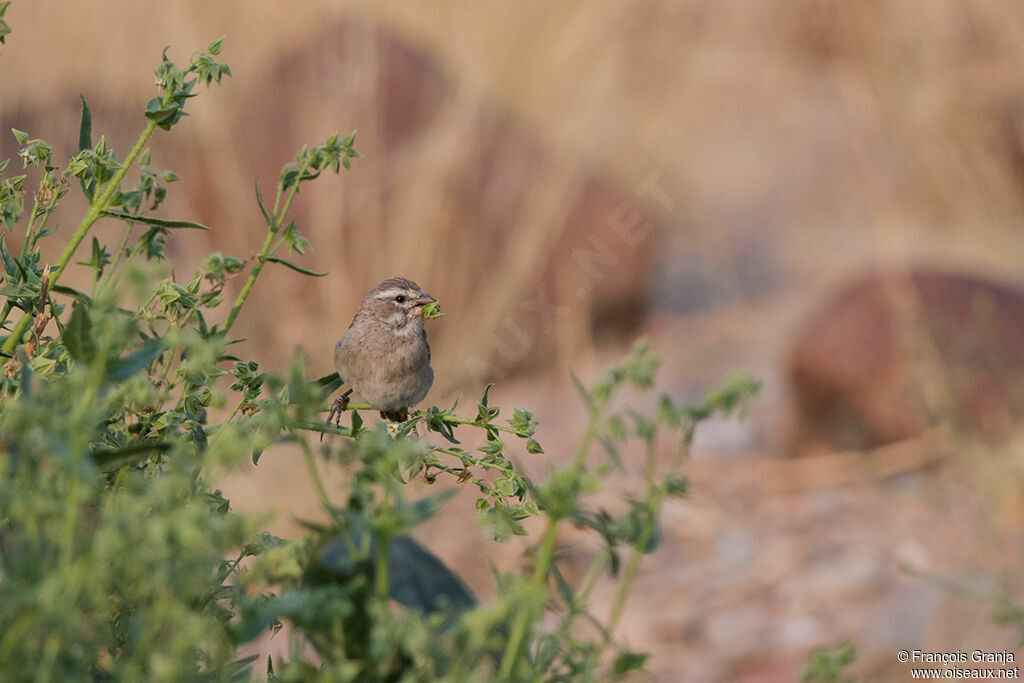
{"x": 337, "y": 408}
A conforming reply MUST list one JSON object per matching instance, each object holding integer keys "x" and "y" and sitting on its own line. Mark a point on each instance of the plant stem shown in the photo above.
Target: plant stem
{"x": 350, "y": 407}
{"x": 381, "y": 571}
{"x": 524, "y": 616}
{"x": 120, "y": 253}
{"x": 31, "y": 222}
{"x": 547, "y": 548}
{"x": 267, "y": 248}
{"x": 116, "y": 275}
{"x": 7, "y": 311}
{"x": 590, "y": 580}
{"x": 314, "y": 474}
{"x": 49, "y": 209}
{"x": 225, "y": 572}
{"x": 9, "y": 305}
{"x": 511, "y": 656}
{"x": 547, "y": 551}
{"x": 235, "y": 411}
{"x": 455, "y": 419}
{"x": 589, "y": 436}
{"x": 632, "y": 566}
{"x": 33, "y": 230}
{"x": 579, "y": 600}
{"x": 253, "y": 274}
{"x": 100, "y": 204}
{"x": 91, "y": 216}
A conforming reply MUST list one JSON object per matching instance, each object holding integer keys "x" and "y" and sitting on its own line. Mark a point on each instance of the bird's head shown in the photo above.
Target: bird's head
{"x": 396, "y": 302}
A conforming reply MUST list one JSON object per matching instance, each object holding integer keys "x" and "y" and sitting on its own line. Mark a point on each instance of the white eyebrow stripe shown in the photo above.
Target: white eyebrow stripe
{"x": 387, "y": 293}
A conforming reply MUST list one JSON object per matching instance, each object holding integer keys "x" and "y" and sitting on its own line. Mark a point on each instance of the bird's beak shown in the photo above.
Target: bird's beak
{"x": 425, "y": 299}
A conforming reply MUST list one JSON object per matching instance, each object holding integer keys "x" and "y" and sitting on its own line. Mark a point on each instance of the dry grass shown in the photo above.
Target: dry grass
{"x": 797, "y": 141}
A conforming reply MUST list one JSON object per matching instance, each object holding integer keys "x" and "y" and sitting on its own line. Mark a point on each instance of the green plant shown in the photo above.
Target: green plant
{"x": 4, "y": 27}
{"x": 826, "y": 664}
{"x": 120, "y": 561}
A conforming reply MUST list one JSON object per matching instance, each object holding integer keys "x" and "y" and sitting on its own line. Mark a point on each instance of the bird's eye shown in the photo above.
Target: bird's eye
{"x": 400, "y": 298}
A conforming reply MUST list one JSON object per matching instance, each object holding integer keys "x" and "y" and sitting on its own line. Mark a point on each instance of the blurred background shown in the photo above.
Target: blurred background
{"x": 825, "y": 194}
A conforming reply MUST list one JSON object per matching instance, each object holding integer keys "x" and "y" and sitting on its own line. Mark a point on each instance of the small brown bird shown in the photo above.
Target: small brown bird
{"x": 384, "y": 356}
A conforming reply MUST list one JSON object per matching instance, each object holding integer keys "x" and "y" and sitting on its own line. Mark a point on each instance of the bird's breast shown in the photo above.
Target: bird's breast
{"x": 388, "y": 371}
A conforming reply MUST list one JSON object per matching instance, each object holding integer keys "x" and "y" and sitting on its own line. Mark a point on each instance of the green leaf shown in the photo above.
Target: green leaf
{"x": 826, "y": 664}
{"x": 241, "y": 669}
{"x": 69, "y": 291}
{"x": 522, "y": 421}
{"x": 330, "y": 383}
{"x": 564, "y": 589}
{"x": 107, "y": 459}
{"x": 19, "y": 290}
{"x": 5, "y": 29}
{"x": 77, "y": 335}
{"x": 676, "y": 485}
{"x": 614, "y": 458}
{"x": 505, "y": 487}
{"x": 150, "y": 220}
{"x": 584, "y": 394}
{"x": 295, "y": 267}
{"x": 215, "y": 47}
{"x": 163, "y": 116}
{"x": 633, "y": 527}
{"x": 414, "y": 514}
{"x": 629, "y": 661}
{"x": 123, "y": 368}
{"x": 85, "y": 143}
{"x": 263, "y": 209}
{"x": 20, "y": 135}
{"x": 85, "y": 127}
{"x": 432, "y": 310}
{"x": 533, "y": 447}
{"x": 99, "y": 258}
{"x": 10, "y": 265}
{"x": 735, "y": 392}
{"x": 492, "y": 446}
{"x": 295, "y": 241}
{"x": 484, "y": 412}
{"x": 420, "y": 580}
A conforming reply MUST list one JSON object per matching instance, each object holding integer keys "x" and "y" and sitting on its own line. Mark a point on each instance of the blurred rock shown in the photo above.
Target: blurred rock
{"x": 741, "y": 629}
{"x": 838, "y": 574}
{"x": 892, "y": 354}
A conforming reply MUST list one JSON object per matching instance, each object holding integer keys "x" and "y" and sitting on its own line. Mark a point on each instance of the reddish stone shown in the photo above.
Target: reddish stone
{"x": 892, "y": 354}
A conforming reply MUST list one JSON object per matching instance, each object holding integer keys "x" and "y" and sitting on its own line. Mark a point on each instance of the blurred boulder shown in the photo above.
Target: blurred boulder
{"x": 894, "y": 353}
